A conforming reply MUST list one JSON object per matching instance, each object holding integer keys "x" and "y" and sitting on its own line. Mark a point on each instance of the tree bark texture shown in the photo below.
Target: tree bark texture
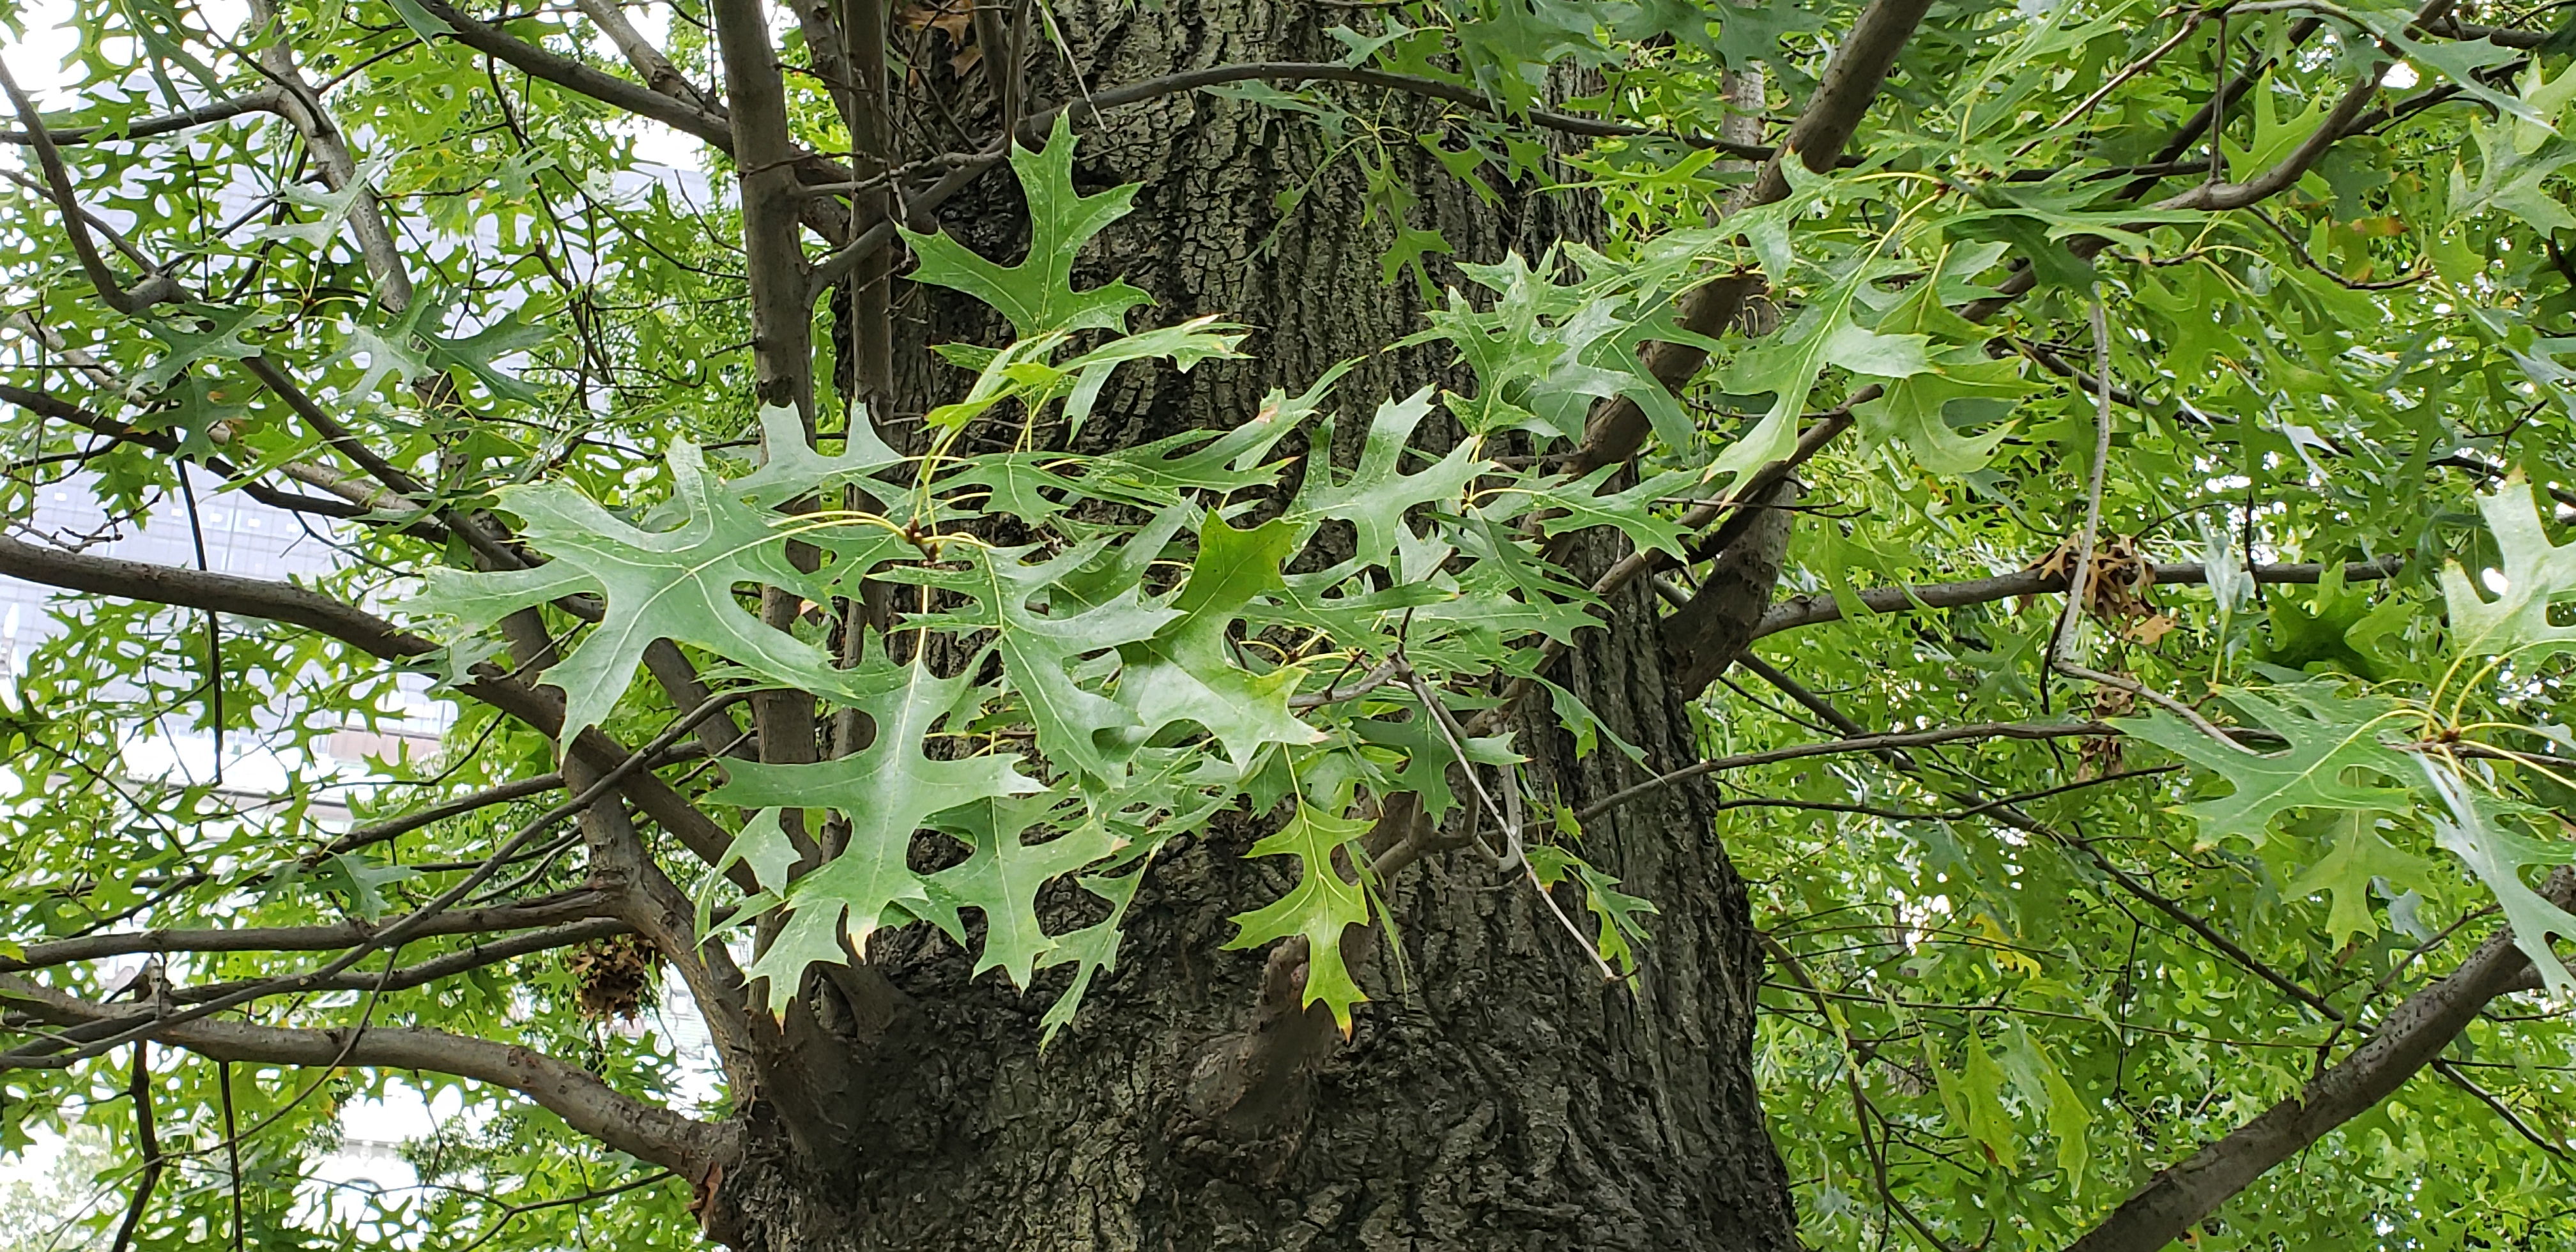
{"x": 1495, "y": 1092}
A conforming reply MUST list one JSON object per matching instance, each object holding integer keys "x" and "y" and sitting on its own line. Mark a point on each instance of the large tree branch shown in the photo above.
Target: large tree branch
{"x": 302, "y": 107}
{"x": 781, "y": 306}
{"x": 659, "y": 74}
{"x": 2412, "y": 1035}
{"x": 1814, "y": 610}
{"x": 684, "y": 1145}
{"x": 48, "y": 405}
{"x": 1618, "y": 428}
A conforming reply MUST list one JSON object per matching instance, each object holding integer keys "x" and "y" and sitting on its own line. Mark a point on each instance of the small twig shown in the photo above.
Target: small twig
{"x": 146, "y": 1140}
{"x": 2488, "y": 1098}
{"x": 1865, "y": 743}
{"x": 2134, "y": 69}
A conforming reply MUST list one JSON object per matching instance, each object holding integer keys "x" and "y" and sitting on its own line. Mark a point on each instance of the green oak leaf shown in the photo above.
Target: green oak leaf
{"x": 791, "y": 467}
{"x": 1002, "y": 877}
{"x": 1786, "y": 365}
{"x": 1573, "y": 506}
{"x": 1015, "y": 480}
{"x": 1913, "y": 408}
{"x": 1622, "y": 916}
{"x": 2329, "y": 735}
{"x": 1427, "y": 756}
{"x": 2475, "y": 831}
{"x": 676, "y": 584}
{"x": 1374, "y": 498}
{"x": 2536, "y": 574}
{"x": 1038, "y": 294}
{"x": 1989, "y": 1123}
{"x": 1543, "y": 352}
{"x": 885, "y": 792}
{"x": 1041, "y": 649}
{"x": 763, "y": 847}
{"x": 478, "y": 354}
{"x": 200, "y": 334}
{"x": 1189, "y": 671}
{"x": 2358, "y": 855}
{"x": 2462, "y": 61}
{"x": 1164, "y": 471}
{"x": 1319, "y": 908}
{"x": 1092, "y": 950}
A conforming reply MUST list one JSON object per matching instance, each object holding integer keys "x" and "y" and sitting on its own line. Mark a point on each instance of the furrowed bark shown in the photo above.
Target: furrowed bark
{"x": 1505, "y": 1098}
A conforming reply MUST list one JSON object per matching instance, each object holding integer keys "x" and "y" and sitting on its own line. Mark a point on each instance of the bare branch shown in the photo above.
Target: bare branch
{"x": 1835, "y": 747}
{"x": 445, "y": 965}
{"x": 2413, "y": 1034}
{"x": 155, "y": 288}
{"x": 1812, "y": 610}
{"x": 574, "y": 76}
{"x": 302, "y": 107}
{"x": 394, "y": 828}
{"x": 659, "y": 74}
{"x": 684, "y": 1145}
{"x": 552, "y": 910}
{"x": 264, "y": 100}
{"x": 283, "y": 602}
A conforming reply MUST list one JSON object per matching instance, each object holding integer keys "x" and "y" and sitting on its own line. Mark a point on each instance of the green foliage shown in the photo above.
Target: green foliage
{"x": 1038, "y": 294}
{"x": 1319, "y": 909}
{"x": 1041, "y": 659}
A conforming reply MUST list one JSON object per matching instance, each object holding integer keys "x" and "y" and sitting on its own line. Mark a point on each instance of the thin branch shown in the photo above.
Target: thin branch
{"x": 155, "y": 288}
{"x": 395, "y": 827}
{"x": 2499, "y": 1107}
{"x": 284, "y": 602}
{"x": 551, "y": 910}
{"x": 2413, "y": 1034}
{"x": 1800, "y": 611}
{"x": 590, "y": 1106}
{"x": 445, "y": 965}
{"x": 574, "y": 76}
{"x": 1834, "y": 747}
{"x": 264, "y": 100}
{"x": 158, "y": 1024}
{"x": 147, "y": 1140}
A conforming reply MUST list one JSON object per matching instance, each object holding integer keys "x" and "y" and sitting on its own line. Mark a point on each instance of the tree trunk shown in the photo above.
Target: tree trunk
{"x": 1495, "y": 1093}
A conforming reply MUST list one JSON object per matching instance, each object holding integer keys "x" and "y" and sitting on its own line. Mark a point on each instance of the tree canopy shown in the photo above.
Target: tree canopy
{"x": 2106, "y": 463}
